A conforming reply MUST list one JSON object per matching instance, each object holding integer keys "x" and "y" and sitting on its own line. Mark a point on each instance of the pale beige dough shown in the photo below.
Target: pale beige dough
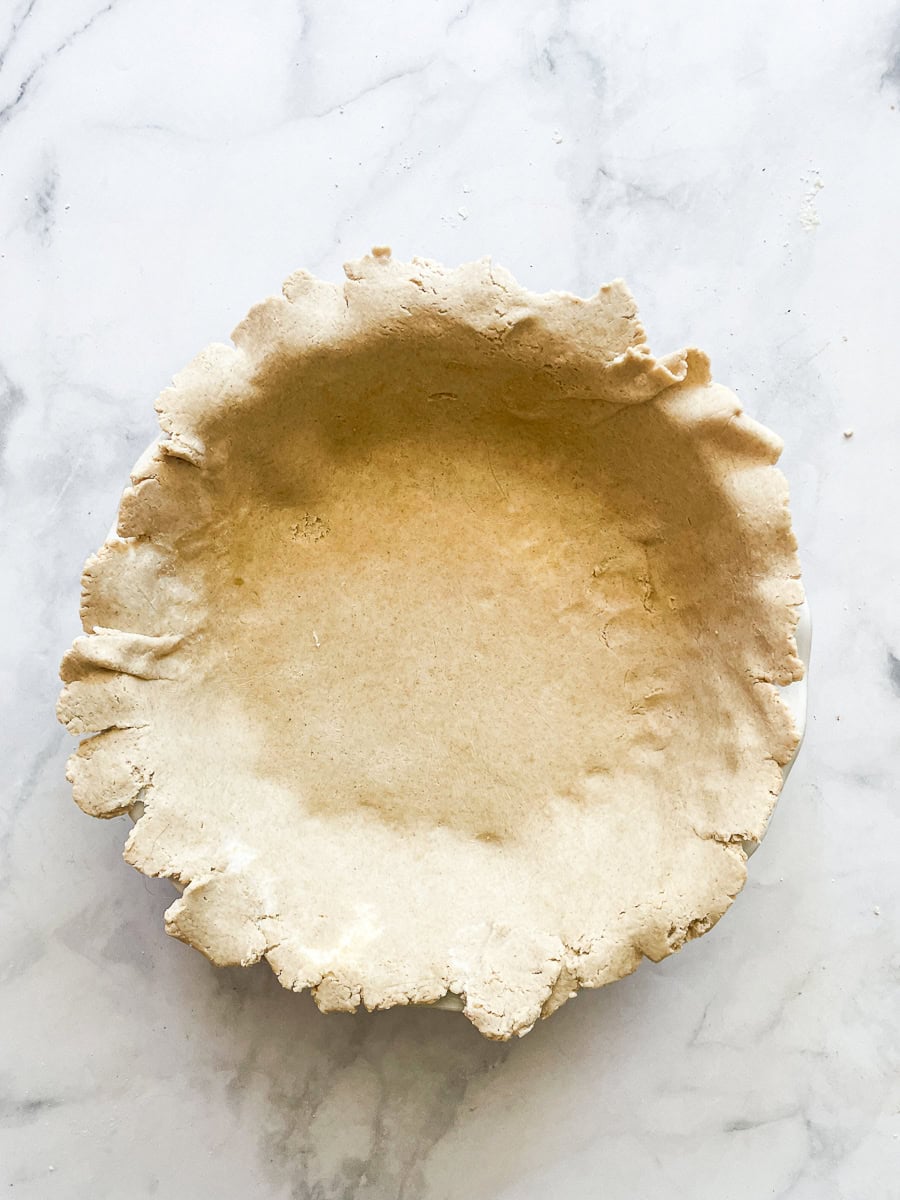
{"x": 439, "y": 643}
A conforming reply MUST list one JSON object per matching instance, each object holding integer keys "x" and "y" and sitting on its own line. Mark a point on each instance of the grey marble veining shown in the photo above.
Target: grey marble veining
{"x": 162, "y": 167}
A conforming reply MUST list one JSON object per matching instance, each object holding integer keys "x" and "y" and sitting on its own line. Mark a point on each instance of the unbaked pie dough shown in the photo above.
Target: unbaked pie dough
{"x": 437, "y": 647}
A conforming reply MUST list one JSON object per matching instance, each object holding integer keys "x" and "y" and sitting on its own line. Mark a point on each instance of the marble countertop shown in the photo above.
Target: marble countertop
{"x": 163, "y": 166}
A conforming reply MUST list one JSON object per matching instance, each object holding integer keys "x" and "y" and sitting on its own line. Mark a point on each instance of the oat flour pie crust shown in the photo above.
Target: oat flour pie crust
{"x": 438, "y": 643}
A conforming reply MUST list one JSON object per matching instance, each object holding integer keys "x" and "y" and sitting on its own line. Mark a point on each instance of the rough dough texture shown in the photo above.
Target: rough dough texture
{"x": 438, "y": 645}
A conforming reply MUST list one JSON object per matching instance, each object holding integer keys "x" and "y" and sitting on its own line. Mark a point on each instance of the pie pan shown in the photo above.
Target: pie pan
{"x": 438, "y": 649}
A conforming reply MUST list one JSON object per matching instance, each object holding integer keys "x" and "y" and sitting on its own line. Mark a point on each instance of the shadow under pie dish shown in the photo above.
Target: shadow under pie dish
{"x": 438, "y": 648}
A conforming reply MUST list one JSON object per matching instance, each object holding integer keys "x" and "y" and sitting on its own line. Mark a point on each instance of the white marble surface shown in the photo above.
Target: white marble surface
{"x": 162, "y": 166}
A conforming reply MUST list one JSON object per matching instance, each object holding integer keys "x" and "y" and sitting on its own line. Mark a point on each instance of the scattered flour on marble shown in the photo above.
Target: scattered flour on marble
{"x": 809, "y": 215}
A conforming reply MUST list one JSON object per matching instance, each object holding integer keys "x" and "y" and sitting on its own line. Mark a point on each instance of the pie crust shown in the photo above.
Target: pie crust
{"x": 438, "y": 646}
